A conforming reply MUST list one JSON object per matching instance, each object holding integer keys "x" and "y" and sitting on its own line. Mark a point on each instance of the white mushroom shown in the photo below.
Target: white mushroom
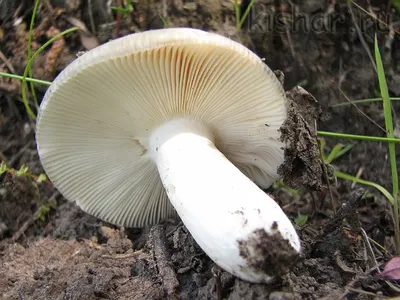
{"x": 179, "y": 114}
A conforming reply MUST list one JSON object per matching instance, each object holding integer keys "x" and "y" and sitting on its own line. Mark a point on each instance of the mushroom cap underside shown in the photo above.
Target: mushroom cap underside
{"x": 96, "y": 118}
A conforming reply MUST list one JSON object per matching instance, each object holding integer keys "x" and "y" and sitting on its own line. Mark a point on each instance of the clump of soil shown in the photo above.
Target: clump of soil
{"x": 68, "y": 269}
{"x": 66, "y": 254}
{"x": 303, "y": 165}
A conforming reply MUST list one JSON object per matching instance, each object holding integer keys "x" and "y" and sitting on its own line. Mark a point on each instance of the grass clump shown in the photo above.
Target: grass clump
{"x": 23, "y": 171}
{"x": 44, "y": 208}
{"x": 339, "y": 150}
{"x": 387, "y": 109}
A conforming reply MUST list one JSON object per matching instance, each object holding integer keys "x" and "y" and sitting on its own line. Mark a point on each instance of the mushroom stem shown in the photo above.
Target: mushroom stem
{"x": 240, "y": 227}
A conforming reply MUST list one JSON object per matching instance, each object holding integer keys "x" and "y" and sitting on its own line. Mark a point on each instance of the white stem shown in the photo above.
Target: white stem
{"x": 240, "y": 227}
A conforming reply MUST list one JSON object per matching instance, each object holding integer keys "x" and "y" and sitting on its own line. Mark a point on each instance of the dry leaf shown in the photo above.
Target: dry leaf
{"x": 88, "y": 40}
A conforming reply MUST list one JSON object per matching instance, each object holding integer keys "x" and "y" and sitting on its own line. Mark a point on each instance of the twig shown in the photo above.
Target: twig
{"x": 325, "y": 172}
{"x": 392, "y": 286}
{"x": 376, "y": 296}
{"x": 216, "y": 271}
{"x": 287, "y": 31}
{"x": 358, "y": 175}
{"x": 374, "y": 17}
{"x": 123, "y": 256}
{"x": 16, "y": 156}
{"x": 90, "y": 12}
{"x": 347, "y": 209}
{"x": 23, "y": 228}
{"x": 352, "y": 103}
{"x": 33, "y": 218}
{"x": 365, "y": 236}
{"x": 7, "y": 62}
{"x": 359, "y": 110}
{"x": 360, "y": 36}
{"x": 340, "y": 263}
{"x": 118, "y": 21}
{"x": 390, "y": 38}
{"x": 168, "y": 276}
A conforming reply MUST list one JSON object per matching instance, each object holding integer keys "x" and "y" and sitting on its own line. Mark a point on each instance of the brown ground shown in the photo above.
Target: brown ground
{"x": 67, "y": 254}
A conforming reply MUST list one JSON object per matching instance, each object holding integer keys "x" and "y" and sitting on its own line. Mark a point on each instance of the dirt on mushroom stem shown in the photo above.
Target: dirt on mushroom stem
{"x": 69, "y": 262}
{"x": 274, "y": 254}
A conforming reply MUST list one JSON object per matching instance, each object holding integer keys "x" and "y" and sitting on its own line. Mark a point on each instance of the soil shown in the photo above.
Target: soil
{"x": 50, "y": 249}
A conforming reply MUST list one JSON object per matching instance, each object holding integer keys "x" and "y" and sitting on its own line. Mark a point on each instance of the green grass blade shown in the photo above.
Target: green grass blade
{"x": 322, "y": 145}
{"x": 164, "y": 21}
{"x": 246, "y": 13}
{"x": 237, "y": 15}
{"x": 343, "y": 151}
{"x": 337, "y": 151}
{"x": 387, "y": 109}
{"x": 362, "y": 101}
{"x": 28, "y": 79}
{"x": 380, "y": 188}
{"x": 30, "y": 33}
{"x": 29, "y": 64}
{"x": 357, "y": 137}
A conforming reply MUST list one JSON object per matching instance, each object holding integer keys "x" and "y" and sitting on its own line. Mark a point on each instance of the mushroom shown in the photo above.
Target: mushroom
{"x": 174, "y": 120}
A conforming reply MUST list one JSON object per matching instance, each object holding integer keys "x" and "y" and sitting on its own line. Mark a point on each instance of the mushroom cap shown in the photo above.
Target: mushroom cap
{"x": 96, "y": 118}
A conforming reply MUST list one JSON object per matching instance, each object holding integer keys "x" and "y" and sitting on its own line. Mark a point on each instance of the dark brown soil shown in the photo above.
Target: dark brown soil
{"x": 50, "y": 249}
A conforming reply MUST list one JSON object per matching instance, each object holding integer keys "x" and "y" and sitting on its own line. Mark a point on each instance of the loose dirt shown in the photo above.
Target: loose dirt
{"x": 50, "y": 249}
